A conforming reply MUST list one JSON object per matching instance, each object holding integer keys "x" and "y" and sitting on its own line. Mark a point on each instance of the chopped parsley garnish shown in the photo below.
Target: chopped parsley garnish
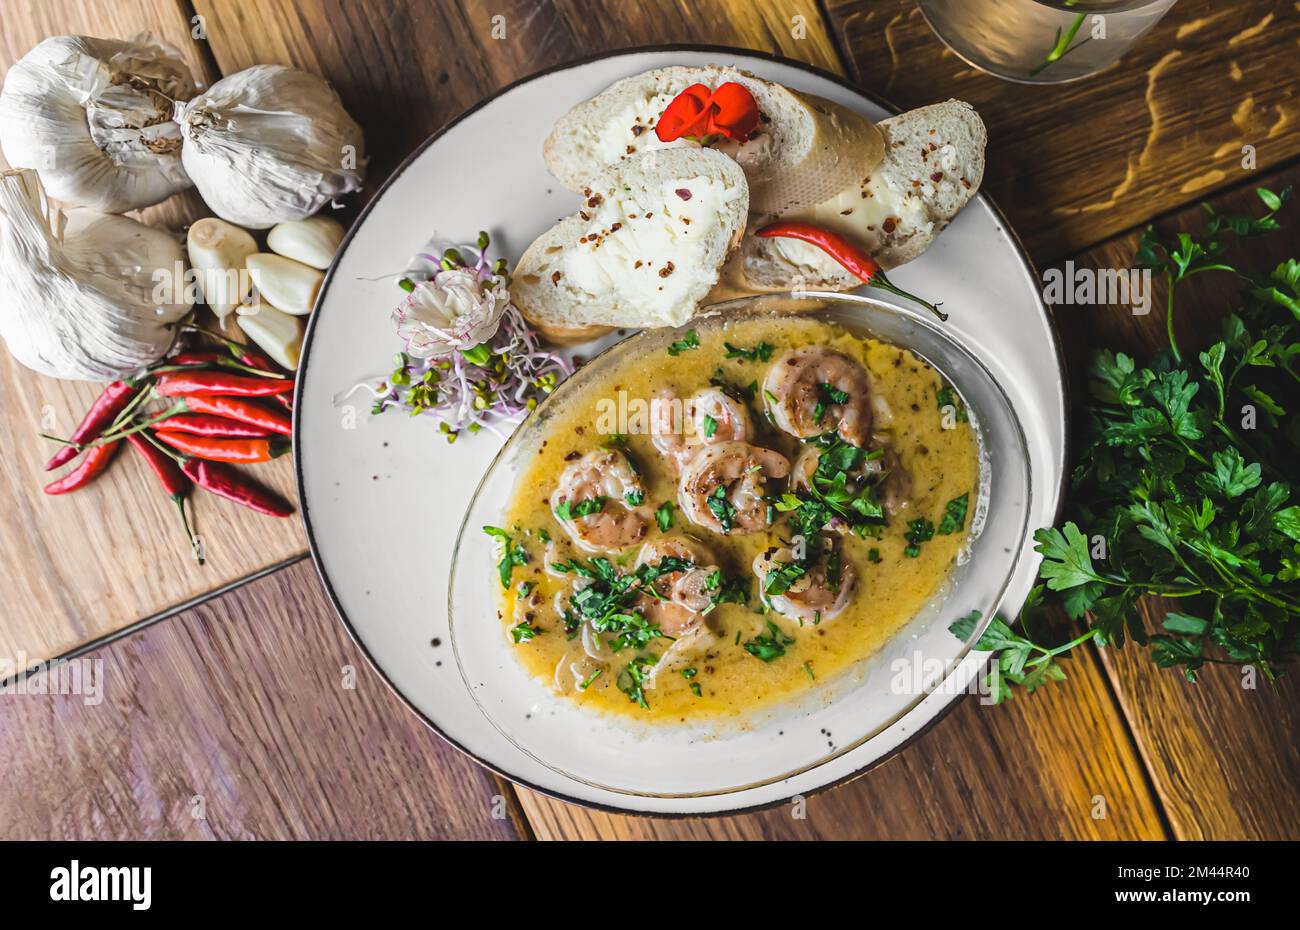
{"x": 567, "y": 510}
{"x": 782, "y": 576}
{"x": 722, "y": 508}
{"x": 873, "y": 554}
{"x": 743, "y": 395}
{"x": 523, "y": 632}
{"x": 919, "y": 531}
{"x": 634, "y": 498}
{"x": 696, "y": 690}
{"x": 769, "y": 646}
{"x": 525, "y": 588}
{"x": 631, "y": 681}
{"x": 586, "y": 682}
{"x": 616, "y": 441}
{"x": 664, "y": 515}
{"x": 710, "y": 426}
{"x": 833, "y": 394}
{"x": 760, "y": 353}
{"x": 689, "y": 673}
{"x": 512, "y": 554}
{"x": 807, "y": 670}
{"x": 832, "y": 493}
{"x": 690, "y": 341}
{"x": 954, "y": 516}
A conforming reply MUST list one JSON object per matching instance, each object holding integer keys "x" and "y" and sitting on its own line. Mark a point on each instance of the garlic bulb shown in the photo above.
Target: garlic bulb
{"x": 84, "y": 295}
{"x": 270, "y": 144}
{"x": 93, "y": 116}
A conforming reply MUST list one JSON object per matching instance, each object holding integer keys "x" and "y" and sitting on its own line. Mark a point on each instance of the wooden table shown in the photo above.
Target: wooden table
{"x": 248, "y": 713}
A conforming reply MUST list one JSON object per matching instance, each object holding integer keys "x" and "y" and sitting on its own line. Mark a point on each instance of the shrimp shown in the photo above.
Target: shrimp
{"x": 683, "y": 594}
{"x": 815, "y": 591}
{"x": 600, "y": 502}
{"x": 896, "y": 486}
{"x": 679, "y": 428}
{"x": 814, "y": 389}
{"x": 721, "y": 488}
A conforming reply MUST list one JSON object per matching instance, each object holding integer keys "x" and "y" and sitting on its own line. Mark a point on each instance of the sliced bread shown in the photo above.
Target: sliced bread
{"x": 646, "y": 247}
{"x": 933, "y": 165}
{"x": 806, "y": 149}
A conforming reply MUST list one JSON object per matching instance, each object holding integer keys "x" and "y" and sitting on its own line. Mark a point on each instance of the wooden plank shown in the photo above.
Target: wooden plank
{"x": 1056, "y": 766}
{"x": 1074, "y": 164}
{"x": 88, "y": 564}
{"x": 251, "y": 717}
{"x": 1223, "y": 755}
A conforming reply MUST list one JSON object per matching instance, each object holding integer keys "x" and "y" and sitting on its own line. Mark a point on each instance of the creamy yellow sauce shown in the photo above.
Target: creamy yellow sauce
{"x": 938, "y": 450}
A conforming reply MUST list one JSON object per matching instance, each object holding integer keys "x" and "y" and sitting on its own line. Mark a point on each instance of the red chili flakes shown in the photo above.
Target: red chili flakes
{"x": 683, "y": 193}
{"x": 555, "y": 279}
{"x": 667, "y": 269}
{"x": 937, "y": 177}
{"x": 891, "y": 222}
{"x": 594, "y": 200}
{"x": 616, "y": 227}
{"x": 638, "y": 129}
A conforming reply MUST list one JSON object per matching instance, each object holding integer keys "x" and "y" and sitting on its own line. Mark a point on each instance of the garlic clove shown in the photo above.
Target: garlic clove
{"x": 312, "y": 241}
{"x": 218, "y": 251}
{"x": 277, "y": 334}
{"x": 291, "y": 286}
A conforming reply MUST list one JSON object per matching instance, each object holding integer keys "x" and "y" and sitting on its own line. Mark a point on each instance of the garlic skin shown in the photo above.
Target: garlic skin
{"x": 218, "y": 252}
{"x": 84, "y": 295}
{"x": 277, "y": 334}
{"x": 288, "y": 285}
{"x": 93, "y": 117}
{"x": 312, "y": 241}
{"x": 270, "y": 145}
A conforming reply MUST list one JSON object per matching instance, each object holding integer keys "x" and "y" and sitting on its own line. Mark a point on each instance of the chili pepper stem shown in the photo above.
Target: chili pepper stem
{"x": 879, "y": 280}
{"x": 114, "y": 437}
{"x": 185, "y": 522}
{"x": 179, "y": 498}
{"x": 125, "y": 413}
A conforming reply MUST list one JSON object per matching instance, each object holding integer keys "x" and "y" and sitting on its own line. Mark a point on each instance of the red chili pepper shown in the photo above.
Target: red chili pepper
{"x": 171, "y": 478}
{"x": 177, "y": 383}
{"x": 230, "y": 484}
{"x": 257, "y": 360}
{"x": 245, "y": 411}
{"x": 206, "y": 424}
{"x": 217, "y": 449}
{"x": 96, "y": 460}
{"x": 730, "y": 112}
{"x": 197, "y": 358}
{"x": 853, "y": 257}
{"x": 101, "y": 414}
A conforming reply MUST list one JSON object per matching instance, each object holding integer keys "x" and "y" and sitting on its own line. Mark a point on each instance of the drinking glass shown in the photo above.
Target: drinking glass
{"x": 1042, "y": 41}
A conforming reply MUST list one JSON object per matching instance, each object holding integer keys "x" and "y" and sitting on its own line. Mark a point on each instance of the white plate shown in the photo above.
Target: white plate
{"x": 382, "y": 498}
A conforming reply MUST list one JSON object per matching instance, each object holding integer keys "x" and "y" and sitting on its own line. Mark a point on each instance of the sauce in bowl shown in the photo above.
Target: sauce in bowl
{"x": 680, "y": 554}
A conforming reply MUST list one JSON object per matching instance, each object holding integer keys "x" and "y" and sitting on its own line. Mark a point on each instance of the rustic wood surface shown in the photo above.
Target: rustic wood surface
{"x": 1222, "y": 753}
{"x": 1057, "y": 766}
{"x": 253, "y": 716}
{"x": 1074, "y": 164}
{"x": 249, "y": 682}
{"x": 85, "y": 565}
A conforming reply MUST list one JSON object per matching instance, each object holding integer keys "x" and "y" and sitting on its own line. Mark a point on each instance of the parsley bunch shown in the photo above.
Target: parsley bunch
{"x": 1187, "y": 484}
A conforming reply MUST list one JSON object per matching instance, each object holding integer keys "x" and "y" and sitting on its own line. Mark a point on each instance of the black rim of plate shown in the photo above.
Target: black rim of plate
{"x": 721, "y": 50}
